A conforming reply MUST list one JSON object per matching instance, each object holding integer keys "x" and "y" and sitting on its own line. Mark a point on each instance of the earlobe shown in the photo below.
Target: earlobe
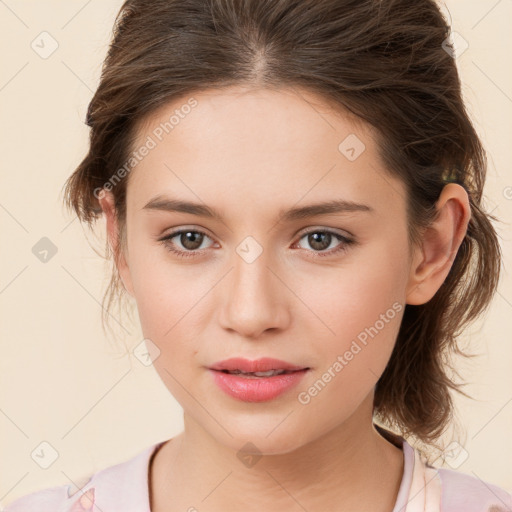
{"x": 433, "y": 260}
{"x": 107, "y": 203}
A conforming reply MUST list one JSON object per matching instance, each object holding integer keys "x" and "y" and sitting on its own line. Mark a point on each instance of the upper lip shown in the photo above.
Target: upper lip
{"x": 258, "y": 365}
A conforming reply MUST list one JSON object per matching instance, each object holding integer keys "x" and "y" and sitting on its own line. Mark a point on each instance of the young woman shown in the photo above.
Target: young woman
{"x": 292, "y": 192}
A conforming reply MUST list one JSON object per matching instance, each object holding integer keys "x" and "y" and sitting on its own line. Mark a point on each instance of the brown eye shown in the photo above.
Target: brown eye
{"x": 320, "y": 240}
{"x": 187, "y": 242}
{"x": 190, "y": 240}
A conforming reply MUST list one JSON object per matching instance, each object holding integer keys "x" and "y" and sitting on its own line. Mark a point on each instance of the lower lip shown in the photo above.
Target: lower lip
{"x": 259, "y": 389}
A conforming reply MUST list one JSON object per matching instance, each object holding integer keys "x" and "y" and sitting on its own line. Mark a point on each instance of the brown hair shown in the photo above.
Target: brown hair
{"x": 384, "y": 61}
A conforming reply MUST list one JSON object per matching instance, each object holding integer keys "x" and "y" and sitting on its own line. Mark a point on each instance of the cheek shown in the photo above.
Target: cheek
{"x": 358, "y": 310}
{"x": 365, "y": 321}
{"x": 348, "y": 298}
{"x": 168, "y": 299}
{"x": 168, "y": 305}
{"x": 168, "y": 302}
{"x": 163, "y": 289}
{"x": 363, "y": 328}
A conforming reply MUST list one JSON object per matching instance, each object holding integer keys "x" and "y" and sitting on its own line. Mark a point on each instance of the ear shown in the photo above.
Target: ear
{"x": 432, "y": 262}
{"x": 107, "y": 203}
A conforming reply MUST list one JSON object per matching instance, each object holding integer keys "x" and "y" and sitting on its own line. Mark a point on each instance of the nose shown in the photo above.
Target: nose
{"x": 254, "y": 297}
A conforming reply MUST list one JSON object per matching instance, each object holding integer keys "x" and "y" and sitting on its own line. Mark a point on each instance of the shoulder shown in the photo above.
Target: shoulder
{"x": 427, "y": 487}
{"x": 51, "y": 498}
{"x": 467, "y": 493}
{"x": 123, "y": 486}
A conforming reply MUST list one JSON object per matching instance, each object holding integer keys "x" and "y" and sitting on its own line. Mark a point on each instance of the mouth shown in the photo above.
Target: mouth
{"x": 263, "y": 367}
{"x": 256, "y": 381}
{"x": 255, "y": 375}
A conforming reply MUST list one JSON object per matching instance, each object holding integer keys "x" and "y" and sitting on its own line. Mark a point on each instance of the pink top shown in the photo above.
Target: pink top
{"x": 124, "y": 487}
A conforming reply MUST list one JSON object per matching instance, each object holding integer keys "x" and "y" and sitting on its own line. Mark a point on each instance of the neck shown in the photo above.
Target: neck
{"x": 351, "y": 465}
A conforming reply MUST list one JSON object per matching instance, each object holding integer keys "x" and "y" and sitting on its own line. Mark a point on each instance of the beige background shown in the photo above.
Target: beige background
{"x": 62, "y": 381}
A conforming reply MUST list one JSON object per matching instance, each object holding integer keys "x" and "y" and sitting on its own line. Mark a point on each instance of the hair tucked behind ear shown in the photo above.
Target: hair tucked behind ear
{"x": 382, "y": 60}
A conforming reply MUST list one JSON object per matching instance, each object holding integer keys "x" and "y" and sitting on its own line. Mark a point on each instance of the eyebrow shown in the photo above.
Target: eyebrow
{"x": 334, "y": 206}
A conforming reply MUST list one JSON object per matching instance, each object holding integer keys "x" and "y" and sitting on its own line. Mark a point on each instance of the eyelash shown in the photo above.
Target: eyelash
{"x": 346, "y": 242}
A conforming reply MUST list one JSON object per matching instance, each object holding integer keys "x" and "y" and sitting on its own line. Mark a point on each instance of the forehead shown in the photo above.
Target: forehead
{"x": 259, "y": 147}
{"x": 241, "y": 114}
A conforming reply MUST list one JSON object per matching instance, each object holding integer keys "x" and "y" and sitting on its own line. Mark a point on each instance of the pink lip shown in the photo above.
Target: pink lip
{"x": 258, "y": 365}
{"x": 256, "y": 389}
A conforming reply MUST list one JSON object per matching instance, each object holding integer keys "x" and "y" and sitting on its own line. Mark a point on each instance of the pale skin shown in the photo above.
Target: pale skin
{"x": 251, "y": 154}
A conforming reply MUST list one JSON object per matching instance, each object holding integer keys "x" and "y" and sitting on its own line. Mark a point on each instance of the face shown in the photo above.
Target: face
{"x": 323, "y": 290}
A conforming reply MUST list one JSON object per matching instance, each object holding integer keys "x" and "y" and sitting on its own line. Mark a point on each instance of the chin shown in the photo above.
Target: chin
{"x": 276, "y": 437}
